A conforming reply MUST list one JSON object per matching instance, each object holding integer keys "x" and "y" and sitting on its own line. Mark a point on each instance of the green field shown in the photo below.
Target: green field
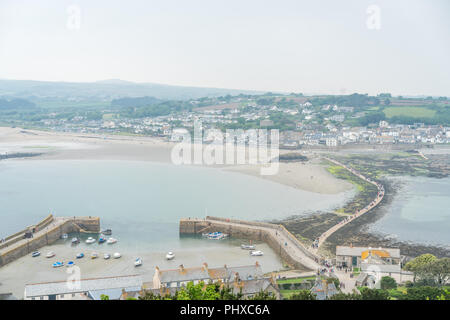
{"x": 415, "y": 112}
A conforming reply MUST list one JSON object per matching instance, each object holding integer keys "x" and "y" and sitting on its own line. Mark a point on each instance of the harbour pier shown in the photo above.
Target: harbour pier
{"x": 43, "y": 233}
{"x": 288, "y": 247}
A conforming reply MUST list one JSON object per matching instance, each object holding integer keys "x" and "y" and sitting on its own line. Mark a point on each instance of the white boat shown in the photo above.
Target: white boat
{"x": 50, "y": 254}
{"x": 75, "y": 240}
{"x": 247, "y": 247}
{"x": 116, "y": 255}
{"x": 215, "y": 235}
{"x": 138, "y": 262}
{"x": 57, "y": 264}
{"x": 94, "y": 255}
{"x": 256, "y": 253}
{"x": 35, "y": 254}
{"x": 64, "y": 236}
{"x": 111, "y": 241}
{"x": 170, "y": 255}
{"x": 106, "y": 256}
{"x": 90, "y": 240}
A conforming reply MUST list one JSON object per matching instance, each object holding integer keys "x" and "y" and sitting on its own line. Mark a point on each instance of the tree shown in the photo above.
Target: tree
{"x": 440, "y": 270}
{"x": 303, "y": 295}
{"x": 419, "y": 264}
{"x": 426, "y": 293}
{"x": 104, "y": 297}
{"x": 345, "y": 296}
{"x": 387, "y": 282}
{"x": 374, "y": 294}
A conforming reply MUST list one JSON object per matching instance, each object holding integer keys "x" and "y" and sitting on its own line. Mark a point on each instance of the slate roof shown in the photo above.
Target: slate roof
{"x": 62, "y": 287}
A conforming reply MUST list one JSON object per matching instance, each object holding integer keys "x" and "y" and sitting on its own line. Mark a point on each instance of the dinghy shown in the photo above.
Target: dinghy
{"x": 35, "y": 254}
{"x": 138, "y": 262}
{"x": 256, "y": 253}
{"x": 111, "y": 241}
{"x": 170, "y": 255}
{"x": 80, "y": 255}
{"x": 90, "y": 240}
{"x": 50, "y": 254}
{"x": 116, "y": 255}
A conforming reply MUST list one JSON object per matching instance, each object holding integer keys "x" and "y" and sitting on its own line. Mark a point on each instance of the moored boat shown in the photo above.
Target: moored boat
{"x": 70, "y": 264}
{"x": 111, "y": 240}
{"x": 116, "y": 255}
{"x": 101, "y": 239}
{"x": 138, "y": 262}
{"x": 107, "y": 232}
{"x": 35, "y": 254}
{"x": 50, "y": 254}
{"x": 64, "y": 236}
{"x": 80, "y": 255}
{"x": 90, "y": 240}
{"x": 106, "y": 256}
{"x": 170, "y": 255}
{"x": 248, "y": 247}
{"x": 58, "y": 264}
{"x": 256, "y": 253}
{"x": 94, "y": 255}
{"x": 75, "y": 240}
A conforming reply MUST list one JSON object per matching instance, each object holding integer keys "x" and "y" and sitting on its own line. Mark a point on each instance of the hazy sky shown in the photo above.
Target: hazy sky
{"x": 301, "y": 46}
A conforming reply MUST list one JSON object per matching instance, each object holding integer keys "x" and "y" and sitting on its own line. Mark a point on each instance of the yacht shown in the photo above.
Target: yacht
{"x": 170, "y": 255}
{"x": 116, "y": 255}
{"x": 138, "y": 262}
{"x": 90, "y": 240}
{"x": 256, "y": 253}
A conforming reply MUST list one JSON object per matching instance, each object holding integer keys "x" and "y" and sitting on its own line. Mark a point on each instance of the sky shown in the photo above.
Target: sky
{"x": 321, "y": 46}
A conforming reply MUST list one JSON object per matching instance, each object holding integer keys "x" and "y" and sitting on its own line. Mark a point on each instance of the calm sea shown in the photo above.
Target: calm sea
{"x": 420, "y": 212}
{"x": 142, "y": 202}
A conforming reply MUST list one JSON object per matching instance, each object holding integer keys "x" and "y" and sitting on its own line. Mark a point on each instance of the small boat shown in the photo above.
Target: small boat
{"x": 247, "y": 247}
{"x": 80, "y": 255}
{"x": 107, "y": 232}
{"x": 75, "y": 240}
{"x": 111, "y": 241}
{"x": 170, "y": 255}
{"x": 70, "y": 264}
{"x": 215, "y": 235}
{"x": 90, "y": 240}
{"x": 116, "y": 255}
{"x": 101, "y": 240}
{"x": 138, "y": 262}
{"x": 94, "y": 255}
{"x": 50, "y": 254}
{"x": 256, "y": 253}
{"x": 64, "y": 236}
{"x": 106, "y": 256}
{"x": 57, "y": 264}
{"x": 35, "y": 254}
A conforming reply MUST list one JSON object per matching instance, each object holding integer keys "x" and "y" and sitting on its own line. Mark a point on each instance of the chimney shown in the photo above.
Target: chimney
{"x": 157, "y": 269}
{"x": 351, "y": 245}
{"x": 124, "y": 295}
{"x": 181, "y": 268}
{"x": 205, "y": 266}
{"x": 257, "y": 264}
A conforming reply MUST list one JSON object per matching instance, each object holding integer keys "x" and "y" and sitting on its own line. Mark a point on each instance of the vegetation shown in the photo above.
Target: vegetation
{"x": 387, "y": 283}
{"x": 429, "y": 270}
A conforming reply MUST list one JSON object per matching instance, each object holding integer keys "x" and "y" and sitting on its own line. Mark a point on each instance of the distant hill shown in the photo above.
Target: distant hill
{"x": 107, "y": 90}
{"x": 15, "y": 104}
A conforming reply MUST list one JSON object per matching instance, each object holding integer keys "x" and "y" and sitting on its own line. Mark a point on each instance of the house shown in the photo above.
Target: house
{"x": 323, "y": 290}
{"x": 266, "y": 123}
{"x": 84, "y": 289}
{"x": 175, "y": 278}
{"x": 372, "y": 273}
{"x": 353, "y": 256}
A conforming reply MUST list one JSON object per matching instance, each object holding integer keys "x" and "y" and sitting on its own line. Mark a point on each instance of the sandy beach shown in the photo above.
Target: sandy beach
{"x": 309, "y": 176}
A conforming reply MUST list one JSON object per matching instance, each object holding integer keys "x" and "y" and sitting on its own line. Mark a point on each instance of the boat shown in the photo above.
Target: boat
{"x": 116, "y": 255}
{"x": 107, "y": 232}
{"x": 80, "y": 255}
{"x": 101, "y": 239}
{"x": 215, "y": 235}
{"x": 35, "y": 254}
{"x": 106, "y": 256}
{"x": 138, "y": 262}
{"x": 247, "y": 247}
{"x": 50, "y": 254}
{"x": 90, "y": 240}
{"x": 70, "y": 264}
{"x": 111, "y": 241}
{"x": 256, "y": 253}
{"x": 75, "y": 240}
{"x": 94, "y": 255}
{"x": 57, "y": 264}
{"x": 170, "y": 255}
{"x": 64, "y": 236}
